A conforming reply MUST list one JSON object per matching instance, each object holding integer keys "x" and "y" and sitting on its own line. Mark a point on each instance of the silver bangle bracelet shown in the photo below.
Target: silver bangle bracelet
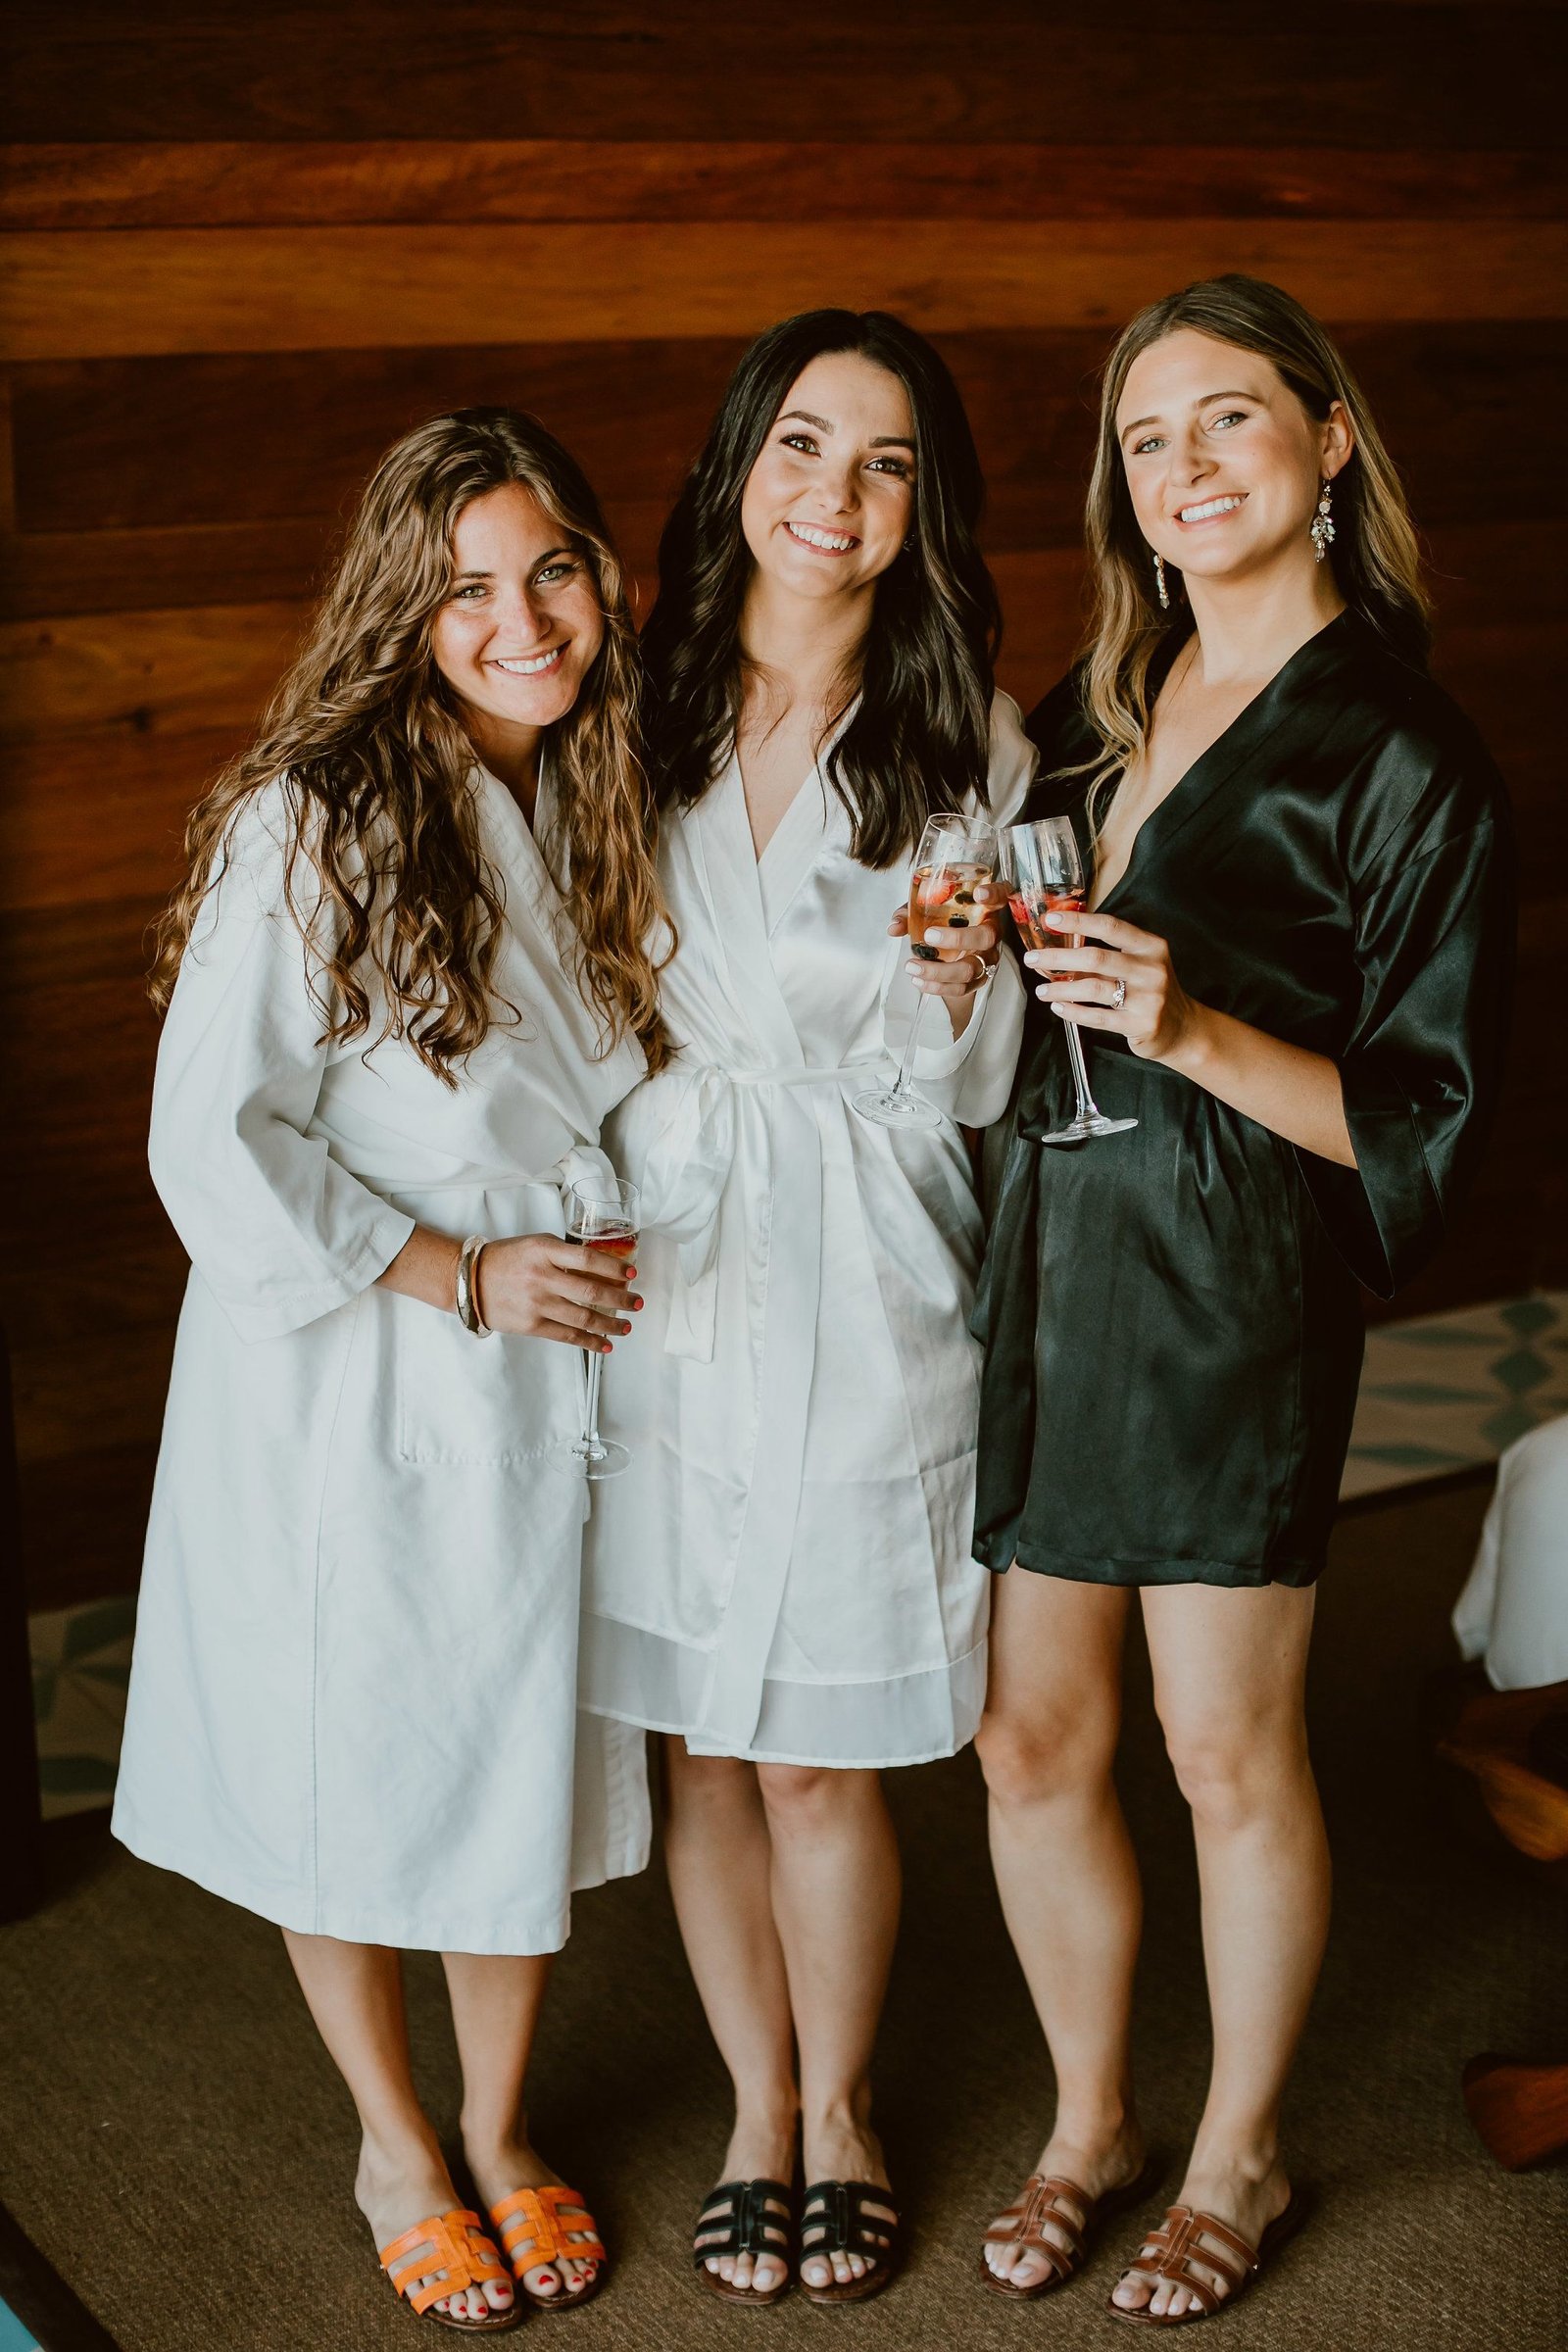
{"x": 468, "y": 1314}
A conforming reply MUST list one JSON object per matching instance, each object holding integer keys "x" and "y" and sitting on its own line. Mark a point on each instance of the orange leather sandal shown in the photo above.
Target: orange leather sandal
{"x": 455, "y": 2243}
{"x": 551, "y": 2224}
{"x": 1187, "y": 2236}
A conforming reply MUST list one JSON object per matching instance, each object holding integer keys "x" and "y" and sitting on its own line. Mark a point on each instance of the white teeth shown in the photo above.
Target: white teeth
{"x": 530, "y": 670}
{"x": 1210, "y": 506}
{"x": 832, "y": 540}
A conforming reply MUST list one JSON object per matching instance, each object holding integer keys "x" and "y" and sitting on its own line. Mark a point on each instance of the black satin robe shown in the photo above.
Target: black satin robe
{"x": 1172, "y": 1320}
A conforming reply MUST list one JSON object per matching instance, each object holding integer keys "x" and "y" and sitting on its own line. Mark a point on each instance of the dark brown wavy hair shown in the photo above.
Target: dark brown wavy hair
{"x": 1375, "y": 554}
{"x": 367, "y": 734}
{"x": 919, "y": 741}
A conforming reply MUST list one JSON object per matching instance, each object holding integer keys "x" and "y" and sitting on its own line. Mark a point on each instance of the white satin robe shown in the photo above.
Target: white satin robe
{"x": 784, "y": 1572}
{"x": 353, "y": 1695}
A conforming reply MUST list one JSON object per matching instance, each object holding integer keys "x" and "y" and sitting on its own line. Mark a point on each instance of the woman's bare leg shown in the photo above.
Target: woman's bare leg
{"x": 719, "y": 1856}
{"x": 496, "y": 2003}
{"x": 835, "y": 1892}
{"x": 1230, "y": 1673}
{"x": 1065, "y": 1866}
{"x": 355, "y": 1994}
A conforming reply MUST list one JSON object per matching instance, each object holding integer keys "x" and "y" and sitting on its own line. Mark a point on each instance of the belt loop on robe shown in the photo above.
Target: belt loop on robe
{"x": 690, "y": 1165}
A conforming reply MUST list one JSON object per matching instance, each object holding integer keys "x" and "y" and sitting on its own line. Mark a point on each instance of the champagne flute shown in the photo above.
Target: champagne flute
{"x": 1045, "y": 874}
{"x": 956, "y": 854}
{"x": 603, "y": 1213}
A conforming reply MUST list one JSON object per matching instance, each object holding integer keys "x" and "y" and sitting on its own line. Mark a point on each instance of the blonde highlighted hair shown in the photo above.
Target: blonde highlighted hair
{"x": 397, "y": 889}
{"x": 1376, "y": 557}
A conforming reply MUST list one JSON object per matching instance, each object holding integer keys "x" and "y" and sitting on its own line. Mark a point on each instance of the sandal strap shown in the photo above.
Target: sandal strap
{"x": 1187, "y": 2236}
{"x": 551, "y": 2224}
{"x": 836, "y": 2212}
{"x": 738, "y": 2218}
{"x": 1040, "y": 2200}
{"x": 453, "y": 2243}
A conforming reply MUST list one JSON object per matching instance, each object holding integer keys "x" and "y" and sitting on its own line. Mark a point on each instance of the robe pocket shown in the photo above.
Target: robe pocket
{"x": 462, "y": 1401}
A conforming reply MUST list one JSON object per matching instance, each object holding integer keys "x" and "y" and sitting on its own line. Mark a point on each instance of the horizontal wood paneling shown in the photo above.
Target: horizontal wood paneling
{"x": 97, "y": 819}
{"x": 142, "y": 673}
{"x": 57, "y": 1386}
{"x": 231, "y": 183}
{"x": 81, "y": 293}
{"x": 271, "y": 436}
{"x": 1340, "y": 75}
{"x": 85, "y": 1523}
{"x": 302, "y": 229}
{"x": 45, "y": 572}
{"x": 118, "y": 720}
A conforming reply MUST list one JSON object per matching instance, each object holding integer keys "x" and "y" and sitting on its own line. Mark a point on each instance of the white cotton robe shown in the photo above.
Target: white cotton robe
{"x": 784, "y": 1571}
{"x": 1513, "y": 1611}
{"x": 353, "y": 1695}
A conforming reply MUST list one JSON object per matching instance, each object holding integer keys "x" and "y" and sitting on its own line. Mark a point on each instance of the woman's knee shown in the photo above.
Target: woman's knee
{"x": 1233, "y": 1767}
{"x": 1030, "y": 1759}
{"x": 804, "y": 1795}
{"x": 714, "y": 1783}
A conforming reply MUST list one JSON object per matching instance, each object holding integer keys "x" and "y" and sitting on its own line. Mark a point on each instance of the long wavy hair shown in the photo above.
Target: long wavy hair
{"x": 1375, "y": 554}
{"x": 919, "y": 741}
{"x": 385, "y": 873}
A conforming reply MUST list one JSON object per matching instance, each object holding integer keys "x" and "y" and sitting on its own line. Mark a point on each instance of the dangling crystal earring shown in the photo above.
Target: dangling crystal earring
{"x": 1160, "y": 589}
{"x": 1322, "y": 522}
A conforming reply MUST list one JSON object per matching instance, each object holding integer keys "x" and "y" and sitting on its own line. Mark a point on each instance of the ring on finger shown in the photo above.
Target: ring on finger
{"x": 1120, "y": 998}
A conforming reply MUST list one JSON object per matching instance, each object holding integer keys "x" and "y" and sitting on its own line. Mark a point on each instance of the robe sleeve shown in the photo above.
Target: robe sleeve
{"x": 971, "y": 1076}
{"x": 1434, "y": 933}
{"x": 276, "y": 1229}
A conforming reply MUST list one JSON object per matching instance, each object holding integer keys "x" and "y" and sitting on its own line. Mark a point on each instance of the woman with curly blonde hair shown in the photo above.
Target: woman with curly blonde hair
{"x": 410, "y": 973}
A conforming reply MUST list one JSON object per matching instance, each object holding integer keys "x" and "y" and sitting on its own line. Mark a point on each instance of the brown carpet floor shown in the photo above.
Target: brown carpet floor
{"x": 175, "y": 2142}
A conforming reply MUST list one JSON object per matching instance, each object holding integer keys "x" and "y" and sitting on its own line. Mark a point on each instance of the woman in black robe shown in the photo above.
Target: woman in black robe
{"x": 1293, "y": 976}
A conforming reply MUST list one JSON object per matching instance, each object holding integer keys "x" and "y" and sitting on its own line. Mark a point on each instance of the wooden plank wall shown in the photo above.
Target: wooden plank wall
{"x": 245, "y": 246}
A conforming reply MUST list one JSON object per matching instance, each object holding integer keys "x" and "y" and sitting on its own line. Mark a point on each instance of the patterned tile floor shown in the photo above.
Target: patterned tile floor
{"x": 15, "y": 2335}
{"x": 1439, "y": 1393}
{"x": 1442, "y": 1392}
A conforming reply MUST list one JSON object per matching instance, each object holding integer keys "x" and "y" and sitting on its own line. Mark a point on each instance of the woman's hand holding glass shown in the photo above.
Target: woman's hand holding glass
{"x": 1118, "y": 977}
{"x": 975, "y": 949}
{"x": 539, "y": 1287}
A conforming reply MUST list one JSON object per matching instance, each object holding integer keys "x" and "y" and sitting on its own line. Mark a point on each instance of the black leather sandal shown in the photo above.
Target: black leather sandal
{"x": 836, "y": 2218}
{"x": 743, "y": 2217}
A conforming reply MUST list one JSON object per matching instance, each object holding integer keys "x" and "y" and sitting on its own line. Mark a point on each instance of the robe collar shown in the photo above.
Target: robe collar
{"x": 1241, "y": 744}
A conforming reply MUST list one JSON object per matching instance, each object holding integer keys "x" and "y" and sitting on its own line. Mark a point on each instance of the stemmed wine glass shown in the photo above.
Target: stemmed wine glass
{"x": 1043, "y": 874}
{"x": 602, "y": 1212}
{"x": 956, "y": 855}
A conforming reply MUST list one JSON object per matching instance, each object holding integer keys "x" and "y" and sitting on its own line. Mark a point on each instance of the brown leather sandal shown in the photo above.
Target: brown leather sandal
{"x": 455, "y": 2243}
{"x": 1073, "y": 2211}
{"x": 1187, "y": 2236}
{"x": 551, "y": 2224}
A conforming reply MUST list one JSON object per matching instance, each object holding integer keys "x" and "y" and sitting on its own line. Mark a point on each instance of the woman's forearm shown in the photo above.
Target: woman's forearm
{"x": 425, "y": 1268}
{"x": 1296, "y": 1093}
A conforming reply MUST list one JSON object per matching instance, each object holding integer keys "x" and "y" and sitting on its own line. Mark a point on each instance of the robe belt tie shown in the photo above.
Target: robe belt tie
{"x": 687, "y": 1170}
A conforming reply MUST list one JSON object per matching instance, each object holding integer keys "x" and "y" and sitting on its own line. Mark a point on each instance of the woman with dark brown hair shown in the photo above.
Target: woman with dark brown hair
{"x": 782, "y": 1584}
{"x": 1292, "y": 971}
{"x": 408, "y": 977}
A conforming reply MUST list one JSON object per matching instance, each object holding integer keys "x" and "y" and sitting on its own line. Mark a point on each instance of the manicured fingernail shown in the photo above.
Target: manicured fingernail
{"x": 636, "y": 1305}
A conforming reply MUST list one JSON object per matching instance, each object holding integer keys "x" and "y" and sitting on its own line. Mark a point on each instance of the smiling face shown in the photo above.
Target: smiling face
{"x": 1223, "y": 462}
{"x": 831, "y": 497}
{"x": 520, "y": 631}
